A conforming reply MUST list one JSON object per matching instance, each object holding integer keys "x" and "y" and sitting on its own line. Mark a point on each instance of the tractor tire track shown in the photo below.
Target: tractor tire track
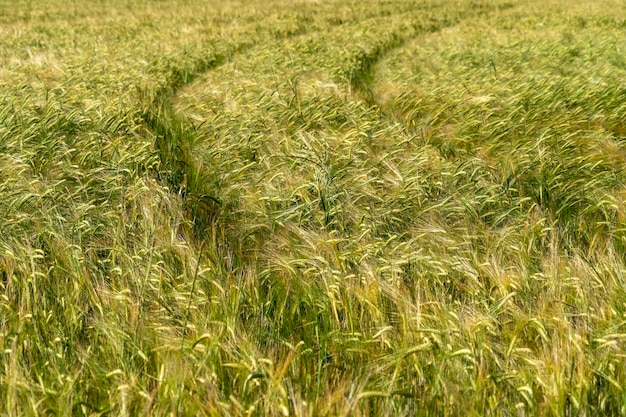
{"x": 173, "y": 133}
{"x": 362, "y": 75}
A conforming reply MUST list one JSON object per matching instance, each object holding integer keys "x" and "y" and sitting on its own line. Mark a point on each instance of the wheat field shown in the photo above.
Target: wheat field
{"x": 313, "y": 208}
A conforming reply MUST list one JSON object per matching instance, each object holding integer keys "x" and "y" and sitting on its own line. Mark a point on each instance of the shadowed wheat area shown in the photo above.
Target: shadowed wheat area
{"x": 313, "y": 208}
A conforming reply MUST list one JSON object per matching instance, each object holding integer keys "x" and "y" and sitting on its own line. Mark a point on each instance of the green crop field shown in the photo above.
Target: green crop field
{"x": 313, "y": 207}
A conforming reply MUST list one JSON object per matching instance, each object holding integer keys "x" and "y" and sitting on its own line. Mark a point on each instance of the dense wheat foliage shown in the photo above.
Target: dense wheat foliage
{"x": 313, "y": 208}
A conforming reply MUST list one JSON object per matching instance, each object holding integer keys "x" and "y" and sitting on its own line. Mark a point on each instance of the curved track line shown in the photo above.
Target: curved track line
{"x": 173, "y": 133}
{"x": 363, "y": 75}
